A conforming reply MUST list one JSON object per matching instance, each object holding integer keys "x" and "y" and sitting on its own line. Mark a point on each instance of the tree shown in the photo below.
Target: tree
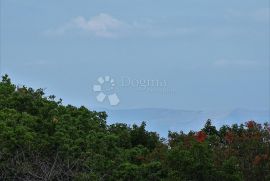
{"x": 41, "y": 139}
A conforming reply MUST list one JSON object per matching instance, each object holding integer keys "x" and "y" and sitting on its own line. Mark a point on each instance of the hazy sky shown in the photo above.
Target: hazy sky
{"x": 206, "y": 54}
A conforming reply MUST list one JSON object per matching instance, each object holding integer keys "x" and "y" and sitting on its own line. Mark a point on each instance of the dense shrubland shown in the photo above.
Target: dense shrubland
{"x": 41, "y": 139}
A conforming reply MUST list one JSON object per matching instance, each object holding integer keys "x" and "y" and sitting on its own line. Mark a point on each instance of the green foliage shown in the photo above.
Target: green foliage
{"x": 41, "y": 139}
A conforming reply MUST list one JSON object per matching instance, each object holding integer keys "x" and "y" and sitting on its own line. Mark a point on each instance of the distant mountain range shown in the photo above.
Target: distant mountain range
{"x": 163, "y": 120}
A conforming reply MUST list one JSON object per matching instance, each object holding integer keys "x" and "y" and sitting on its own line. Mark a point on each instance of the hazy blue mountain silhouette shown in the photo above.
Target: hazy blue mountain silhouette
{"x": 162, "y": 120}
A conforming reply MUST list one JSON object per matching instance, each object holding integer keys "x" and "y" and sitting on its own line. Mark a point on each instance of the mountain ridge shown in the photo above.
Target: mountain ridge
{"x": 164, "y": 119}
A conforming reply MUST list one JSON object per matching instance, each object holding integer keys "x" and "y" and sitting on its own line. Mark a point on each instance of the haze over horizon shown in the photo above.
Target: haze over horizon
{"x": 202, "y": 59}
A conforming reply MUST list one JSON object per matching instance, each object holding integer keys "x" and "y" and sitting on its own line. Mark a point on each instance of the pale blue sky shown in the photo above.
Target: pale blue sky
{"x": 212, "y": 54}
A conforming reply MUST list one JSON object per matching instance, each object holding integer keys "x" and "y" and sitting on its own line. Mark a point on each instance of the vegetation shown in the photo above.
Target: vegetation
{"x": 41, "y": 139}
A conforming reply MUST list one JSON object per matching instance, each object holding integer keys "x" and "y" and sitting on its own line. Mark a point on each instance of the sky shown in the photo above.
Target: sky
{"x": 119, "y": 54}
